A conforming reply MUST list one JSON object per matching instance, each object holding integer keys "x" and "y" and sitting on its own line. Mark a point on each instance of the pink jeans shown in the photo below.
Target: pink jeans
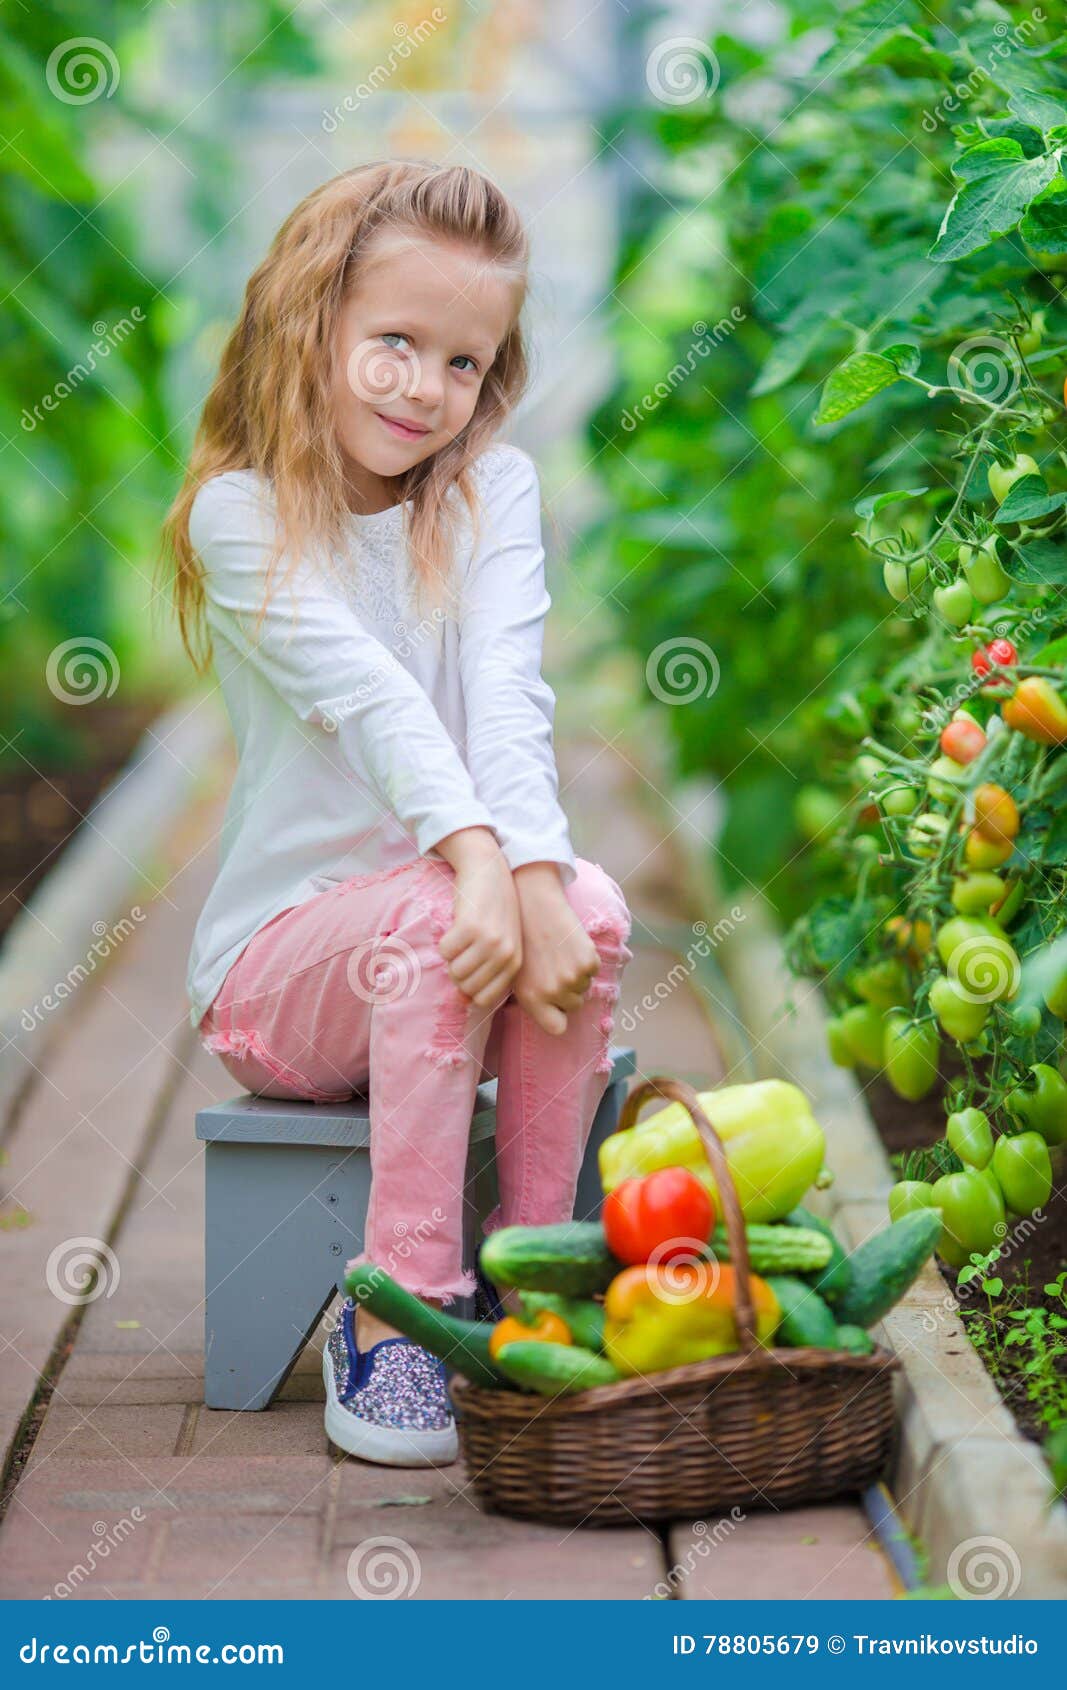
{"x": 350, "y": 986}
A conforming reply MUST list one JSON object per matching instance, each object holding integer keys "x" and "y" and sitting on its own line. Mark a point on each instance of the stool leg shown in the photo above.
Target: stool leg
{"x": 590, "y": 1193}
{"x": 281, "y": 1221}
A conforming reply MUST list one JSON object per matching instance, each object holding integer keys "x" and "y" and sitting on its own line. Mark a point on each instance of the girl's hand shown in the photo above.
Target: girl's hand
{"x": 559, "y": 959}
{"x": 483, "y": 947}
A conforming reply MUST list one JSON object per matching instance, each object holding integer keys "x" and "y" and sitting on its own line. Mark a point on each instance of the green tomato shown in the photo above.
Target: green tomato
{"x": 907, "y": 1196}
{"x": 1056, "y": 997}
{"x": 910, "y": 1055}
{"x": 899, "y": 800}
{"x": 926, "y": 834}
{"x": 976, "y": 893}
{"x": 1031, "y": 338}
{"x": 863, "y": 1028}
{"x": 848, "y": 716}
{"x": 907, "y": 718}
{"x": 817, "y": 813}
{"x": 838, "y": 1043}
{"x": 1042, "y": 1106}
{"x": 1024, "y": 1172}
{"x": 958, "y": 1014}
{"x": 884, "y": 983}
{"x": 954, "y": 603}
{"x": 1026, "y": 1020}
{"x": 903, "y": 579}
{"x": 970, "y": 1135}
{"x": 867, "y": 768}
{"x": 984, "y": 573}
{"x": 942, "y": 777}
{"x": 1002, "y": 477}
{"x": 980, "y": 958}
{"x": 972, "y": 1212}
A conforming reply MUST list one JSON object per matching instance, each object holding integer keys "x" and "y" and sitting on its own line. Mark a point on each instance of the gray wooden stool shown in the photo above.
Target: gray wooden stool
{"x": 286, "y": 1187}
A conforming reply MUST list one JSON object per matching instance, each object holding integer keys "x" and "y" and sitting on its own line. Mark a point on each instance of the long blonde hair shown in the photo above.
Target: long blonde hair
{"x": 270, "y": 408}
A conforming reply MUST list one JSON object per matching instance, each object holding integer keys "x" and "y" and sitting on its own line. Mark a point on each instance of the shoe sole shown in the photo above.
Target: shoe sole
{"x": 388, "y": 1446}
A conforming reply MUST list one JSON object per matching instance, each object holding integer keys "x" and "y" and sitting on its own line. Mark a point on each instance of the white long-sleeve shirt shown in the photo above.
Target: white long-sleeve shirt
{"x": 367, "y": 732}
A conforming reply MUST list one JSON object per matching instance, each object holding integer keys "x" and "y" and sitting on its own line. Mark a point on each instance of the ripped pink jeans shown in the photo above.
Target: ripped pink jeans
{"x": 350, "y": 986}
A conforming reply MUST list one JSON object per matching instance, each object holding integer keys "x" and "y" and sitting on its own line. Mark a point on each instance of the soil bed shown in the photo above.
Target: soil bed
{"x": 1030, "y": 1260}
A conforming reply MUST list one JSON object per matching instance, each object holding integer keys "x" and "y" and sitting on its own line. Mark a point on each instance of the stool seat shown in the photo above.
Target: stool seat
{"x": 286, "y": 1192}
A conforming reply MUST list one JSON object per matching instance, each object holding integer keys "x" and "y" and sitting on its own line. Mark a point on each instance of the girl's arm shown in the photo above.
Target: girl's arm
{"x": 509, "y": 705}
{"x": 313, "y": 649}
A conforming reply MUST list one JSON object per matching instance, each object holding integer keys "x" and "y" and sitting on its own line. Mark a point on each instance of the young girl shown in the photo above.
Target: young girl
{"x": 398, "y": 904}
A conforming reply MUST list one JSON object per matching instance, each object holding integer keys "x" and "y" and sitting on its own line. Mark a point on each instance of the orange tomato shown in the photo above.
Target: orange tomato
{"x": 996, "y": 815}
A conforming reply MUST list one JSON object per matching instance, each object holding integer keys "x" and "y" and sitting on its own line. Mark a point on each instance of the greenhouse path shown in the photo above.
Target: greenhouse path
{"x": 125, "y": 1485}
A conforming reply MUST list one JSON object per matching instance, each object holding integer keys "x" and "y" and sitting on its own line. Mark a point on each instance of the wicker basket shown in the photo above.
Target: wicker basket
{"x": 758, "y": 1428}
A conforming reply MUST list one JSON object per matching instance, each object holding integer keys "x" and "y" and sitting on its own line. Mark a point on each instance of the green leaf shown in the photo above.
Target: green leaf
{"x": 878, "y": 501}
{"x": 999, "y": 185}
{"x": 788, "y": 357}
{"x": 1040, "y": 563}
{"x": 1037, "y": 109}
{"x": 855, "y": 381}
{"x": 1028, "y": 498}
{"x": 1045, "y": 225}
{"x": 904, "y": 357}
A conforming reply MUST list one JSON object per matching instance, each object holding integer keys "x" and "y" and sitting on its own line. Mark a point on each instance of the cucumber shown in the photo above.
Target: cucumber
{"x": 584, "y": 1317}
{"x": 572, "y": 1258}
{"x": 855, "y": 1340}
{"x": 832, "y": 1281}
{"x": 881, "y": 1270}
{"x": 778, "y": 1249}
{"x": 554, "y": 1370}
{"x": 806, "y": 1318}
{"x": 464, "y": 1344}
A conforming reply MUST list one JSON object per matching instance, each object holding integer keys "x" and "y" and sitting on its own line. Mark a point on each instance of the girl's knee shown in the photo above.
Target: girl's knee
{"x": 600, "y": 906}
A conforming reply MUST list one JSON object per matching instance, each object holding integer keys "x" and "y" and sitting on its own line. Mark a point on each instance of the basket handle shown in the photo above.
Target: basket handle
{"x": 677, "y": 1091}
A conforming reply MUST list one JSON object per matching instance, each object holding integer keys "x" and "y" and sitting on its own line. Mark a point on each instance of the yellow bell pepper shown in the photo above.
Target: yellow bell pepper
{"x": 658, "y": 1317}
{"x": 773, "y": 1143}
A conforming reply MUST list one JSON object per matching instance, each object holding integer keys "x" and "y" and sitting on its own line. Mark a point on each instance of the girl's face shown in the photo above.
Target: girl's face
{"x": 417, "y": 335}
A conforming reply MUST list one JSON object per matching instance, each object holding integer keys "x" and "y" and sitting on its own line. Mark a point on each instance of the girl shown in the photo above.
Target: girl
{"x": 398, "y": 904}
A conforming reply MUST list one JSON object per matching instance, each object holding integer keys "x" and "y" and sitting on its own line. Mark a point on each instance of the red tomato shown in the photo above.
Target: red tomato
{"x": 668, "y": 1213}
{"x": 999, "y": 654}
{"x": 963, "y": 739}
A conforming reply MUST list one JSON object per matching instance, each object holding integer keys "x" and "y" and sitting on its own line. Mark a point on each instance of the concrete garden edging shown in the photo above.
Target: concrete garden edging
{"x": 74, "y": 917}
{"x": 965, "y": 1480}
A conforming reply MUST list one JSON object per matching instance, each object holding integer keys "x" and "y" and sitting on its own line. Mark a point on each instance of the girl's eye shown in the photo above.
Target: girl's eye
{"x": 391, "y": 338}
{"x": 472, "y": 367}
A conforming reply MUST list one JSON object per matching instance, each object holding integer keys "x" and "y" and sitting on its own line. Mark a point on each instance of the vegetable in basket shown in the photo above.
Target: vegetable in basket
{"x": 546, "y": 1327}
{"x": 660, "y": 1317}
{"x": 659, "y": 1217}
{"x": 555, "y": 1370}
{"x": 572, "y": 1259}
{"x": 773, "y": 1143}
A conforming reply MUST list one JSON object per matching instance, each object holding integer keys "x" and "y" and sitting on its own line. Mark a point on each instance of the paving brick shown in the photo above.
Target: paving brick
{"x": 74, "y": 1434}
{"x": 823, "y": 1553}
{"x": 86, "y": 1366}
{"x": 287, "y": 1428}
{"x": 52, "y": 1547}
{"x": 219, "y": 1548}
{"x": 248, "y": 1484}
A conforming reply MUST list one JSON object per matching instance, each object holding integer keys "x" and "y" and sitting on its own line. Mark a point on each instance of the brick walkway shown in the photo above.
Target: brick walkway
{"x": 124, "y": 1474}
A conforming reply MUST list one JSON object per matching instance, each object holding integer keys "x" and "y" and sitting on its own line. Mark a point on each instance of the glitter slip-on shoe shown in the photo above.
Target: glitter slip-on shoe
{"x": 387, "y": 1404}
